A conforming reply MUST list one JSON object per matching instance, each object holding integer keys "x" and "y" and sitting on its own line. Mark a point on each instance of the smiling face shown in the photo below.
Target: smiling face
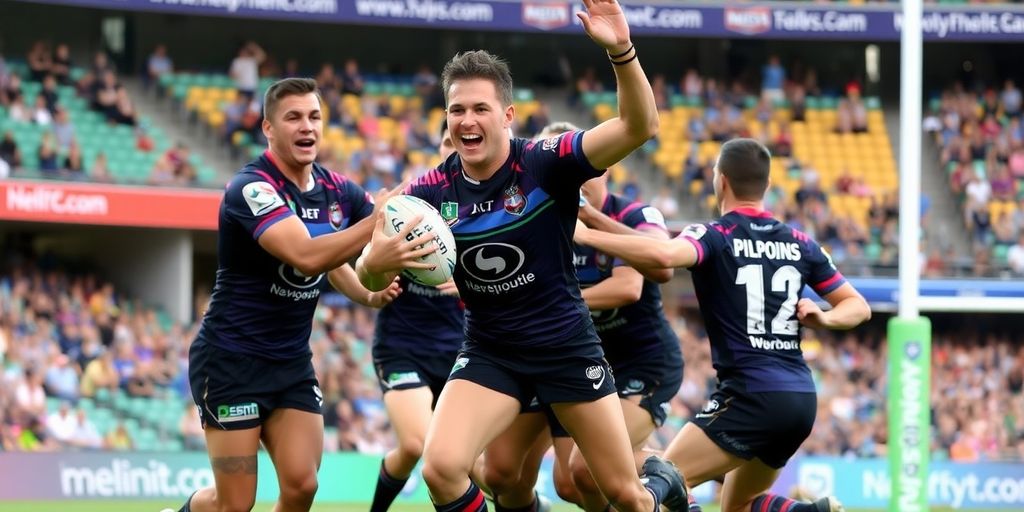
{"x": 294, "y": 129}
{"x": 479, "y": 124}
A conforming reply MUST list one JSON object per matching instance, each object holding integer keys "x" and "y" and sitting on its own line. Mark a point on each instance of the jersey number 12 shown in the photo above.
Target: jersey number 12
{"x": 785, "y": 280}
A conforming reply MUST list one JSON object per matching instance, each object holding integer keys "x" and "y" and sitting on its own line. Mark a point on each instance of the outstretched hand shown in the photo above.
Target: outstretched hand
{"x": 605, "y": 23}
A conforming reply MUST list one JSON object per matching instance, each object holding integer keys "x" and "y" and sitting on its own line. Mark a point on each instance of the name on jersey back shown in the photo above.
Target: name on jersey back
{"x": 770, "y": 249}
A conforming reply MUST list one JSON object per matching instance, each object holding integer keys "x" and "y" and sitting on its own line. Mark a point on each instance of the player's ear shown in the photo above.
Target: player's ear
{"x": 266, "y": 128}
{"x": 510, "y": 114}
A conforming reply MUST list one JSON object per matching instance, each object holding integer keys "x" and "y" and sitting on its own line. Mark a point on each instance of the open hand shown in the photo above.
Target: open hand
{"x": 606, "y": 24}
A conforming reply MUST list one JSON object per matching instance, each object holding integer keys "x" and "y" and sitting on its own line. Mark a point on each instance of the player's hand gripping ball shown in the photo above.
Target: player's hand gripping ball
{"x": 401, "y": 209}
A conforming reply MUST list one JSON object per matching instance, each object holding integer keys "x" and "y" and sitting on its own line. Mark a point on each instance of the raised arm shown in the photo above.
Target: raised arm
{"x": 610, "y": 142}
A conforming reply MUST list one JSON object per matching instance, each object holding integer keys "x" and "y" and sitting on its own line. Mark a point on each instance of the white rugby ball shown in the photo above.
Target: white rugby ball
{"x": 401, "y": 209}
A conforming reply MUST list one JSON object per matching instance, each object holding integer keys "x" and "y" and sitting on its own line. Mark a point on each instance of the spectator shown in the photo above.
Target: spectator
{"x": 773, "y": 79}
{"x": 99, "y": 172}
{"x": 48, "y": 155}
{"x": 666, "y": 203}
{"x": 39, "y": 61}
{"x": 85, "y": 435}
{"x": 62, "y": 378}
{"x": 61, "y": 65}
{"x": 73, "y": 164}
{"x": 99, "y": 374}
{"x": 245, "y": 69}
{"x": 124, "y": 109}
{"x": 351, "y": 78}
{"x": 61, "y": 423}
{"x": 63, "y": 129}
{"x": 192, "y": 429}
{"x": 49, "y": 93}
{"x": 158, "y": 65}
{"x": 40, "y": 114}
{"x": 18, "y": 112}
{"x": 118, "y": 439}
{"x": 9, "y": 151}
{"x": 1011, "y": 99}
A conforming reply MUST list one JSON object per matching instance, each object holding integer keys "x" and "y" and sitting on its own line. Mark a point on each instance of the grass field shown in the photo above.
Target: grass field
{"x": 156, "y": 506}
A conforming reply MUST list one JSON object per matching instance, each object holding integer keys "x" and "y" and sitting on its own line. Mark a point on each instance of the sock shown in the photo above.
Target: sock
{"x": 387, "y": 490}
{"x": 472, "y": 501}
{"x": 532, "y": 507}
{"x": 659, "y": 488}
{"x": 694, "y": 506}
{"x": 773, "y": 503}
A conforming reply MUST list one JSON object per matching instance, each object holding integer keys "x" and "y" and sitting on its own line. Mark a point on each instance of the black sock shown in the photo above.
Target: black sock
{"x": 472, "y": 501}
{"x": 659, "y": 488}
{"x": 387, "y": 490}
{"x": 529, "y": 508}
{"x": 773, "y": 503}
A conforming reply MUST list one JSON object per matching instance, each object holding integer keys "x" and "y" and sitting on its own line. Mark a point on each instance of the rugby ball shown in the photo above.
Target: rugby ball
{"x": 401, "y": 209}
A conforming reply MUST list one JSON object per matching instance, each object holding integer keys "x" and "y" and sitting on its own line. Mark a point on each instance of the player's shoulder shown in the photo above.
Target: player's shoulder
{"x": 330, "y": 178}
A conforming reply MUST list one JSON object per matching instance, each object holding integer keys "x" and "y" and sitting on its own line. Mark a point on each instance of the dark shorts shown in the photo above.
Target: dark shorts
{"x": 655, "y": 382}
{"x": 770, "y": 425}
{"x": 236, "y": 391}
{"x": 576, "y": 372}
{"x": 399, "y": 369}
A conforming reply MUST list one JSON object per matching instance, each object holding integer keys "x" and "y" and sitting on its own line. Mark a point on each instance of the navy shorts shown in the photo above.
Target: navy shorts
{"x": 399, "y": 369}
{"x": 575, "y": 372}
{"x": 654, "y": 381}
{"x": 768, "y": 425}
{"x": 236, "y": 391}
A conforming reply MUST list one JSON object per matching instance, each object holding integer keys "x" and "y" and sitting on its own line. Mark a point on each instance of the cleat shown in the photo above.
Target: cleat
{"x": 829, "y": 504}
{"x": 657, "y": 467}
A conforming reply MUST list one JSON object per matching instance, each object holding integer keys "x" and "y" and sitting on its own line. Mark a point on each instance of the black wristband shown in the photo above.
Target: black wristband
{"x": 623, "y": 54}
{"x": 624, "y": 62}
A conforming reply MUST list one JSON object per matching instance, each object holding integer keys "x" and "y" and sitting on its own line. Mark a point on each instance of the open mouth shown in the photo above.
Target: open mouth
{"x": 305, "y": 143}
{"x": 471, "y": 141}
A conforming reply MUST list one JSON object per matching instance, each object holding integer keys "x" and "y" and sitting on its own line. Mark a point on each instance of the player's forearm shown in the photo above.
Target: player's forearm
{"x": 596, "y": 219}
{"x": 637, "y": 107}
{"x": 638, "y": 251}
{"x": 374, "y": 281}
{"x": 328, "y": 252}
{"x": 609, "y": 294}
{"x": 848, "y": 313}
{"x": 344, "y": 280}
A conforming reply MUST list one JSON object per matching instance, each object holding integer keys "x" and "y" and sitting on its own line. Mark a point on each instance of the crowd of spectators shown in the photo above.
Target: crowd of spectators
{"x": 70, "y": 338}
{"x": 981, "y": 147}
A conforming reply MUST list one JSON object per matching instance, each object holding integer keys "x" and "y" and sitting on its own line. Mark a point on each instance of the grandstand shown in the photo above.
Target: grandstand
{"x": 99, "y": 304}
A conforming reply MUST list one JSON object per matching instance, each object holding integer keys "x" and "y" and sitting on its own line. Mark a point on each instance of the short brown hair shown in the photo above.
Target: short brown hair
{"x": 556, "y": 128}
{"x": 479, "y": 64}
{"x": 287, "y": 87}
{"x": 746, "y": 163}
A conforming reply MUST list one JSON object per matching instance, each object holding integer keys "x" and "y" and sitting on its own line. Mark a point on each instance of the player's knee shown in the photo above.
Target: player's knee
{"x": 581, "y": 477}
{"x": 621, "y": 491}
{"x": 440, "y": 471}
{"x": 299, "y": 488}
{"x": 565, "y": 488}
{"x": 411, "y": 449}
{"x": 499, "y": 478}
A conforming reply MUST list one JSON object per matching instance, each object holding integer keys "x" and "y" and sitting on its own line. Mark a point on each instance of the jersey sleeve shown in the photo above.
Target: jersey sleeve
{"x": 703, "y": 238}
{"x": 823, "y": 276}
{"x": 641, "y": 217}
{"x": 427, "y": 187}
{"x": 254, "y": 204}
{"x": 360, "y": 199}
{"x": 559, "y": 165}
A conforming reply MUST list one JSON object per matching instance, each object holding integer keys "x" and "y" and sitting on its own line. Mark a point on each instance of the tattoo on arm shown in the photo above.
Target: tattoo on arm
{"x": 234, "y": 465}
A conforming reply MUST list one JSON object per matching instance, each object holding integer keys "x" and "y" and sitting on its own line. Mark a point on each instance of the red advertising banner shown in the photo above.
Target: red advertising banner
{"x": 113, "y": 205}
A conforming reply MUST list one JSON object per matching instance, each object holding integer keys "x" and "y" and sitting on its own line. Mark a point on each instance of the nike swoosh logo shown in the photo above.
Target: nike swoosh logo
{"x": 495, "y": 263}
{"x": 598, "y": 383}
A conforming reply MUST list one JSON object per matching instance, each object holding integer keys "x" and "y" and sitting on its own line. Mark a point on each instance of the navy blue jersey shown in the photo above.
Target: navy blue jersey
{"x": 260, "y": 305}
{"x": 421, "y": 320}
{"x": 634, "y": 331}
{"x": 750, "y": 272}
{"x": 514, "y": 233}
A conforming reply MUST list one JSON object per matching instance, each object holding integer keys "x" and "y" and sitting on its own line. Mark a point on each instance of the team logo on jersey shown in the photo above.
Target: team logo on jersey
{"x": 335, "y": 216}
{"x": 297, "y": 279}
{"x": 550, "y": 144}
{"x": 450, "y": 212}
{"x": 602, "y": 260}
{"x": 261, "y": 197}
{"x": 492, "y": 262}
{"x": 694, "y": 231}
{"x": 515, "y": 201}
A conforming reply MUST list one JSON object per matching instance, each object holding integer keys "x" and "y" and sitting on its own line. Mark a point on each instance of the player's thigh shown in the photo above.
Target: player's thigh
{"x": 639, "y": 423}
{"x": 699, "y": 458}
{"x": 468, "y": 416}
{"x": 599, "y": 431}
{"x": 409, "y": 411}
{"x": 505, "y": 457}
{"x": 295, "y": 442}
{"x": 745, "y": 483}
{"x": 233, "y": 461}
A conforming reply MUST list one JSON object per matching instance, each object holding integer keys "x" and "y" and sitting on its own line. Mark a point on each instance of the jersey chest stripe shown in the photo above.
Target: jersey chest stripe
{"x": 498, "y": 217}
{"x": 509, "y": 227}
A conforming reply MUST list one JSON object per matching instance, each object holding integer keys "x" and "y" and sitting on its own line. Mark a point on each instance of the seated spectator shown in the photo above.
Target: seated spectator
{"x": 18, "y": 112}
{"x": 351, "y": 78}
{"x": 85, "y": 436}
{"x": 773, "y": 78}
{"x": 62, "y": 378}
{"x": 99, "y": 172}
{"x": 691, "y": 85}
{"x": 49, "y": 93}
{"x": 48, "y": 155}
{"x": 1011, "y": 99}
{"x": 9, "y": 151}
{"x": 104, "y": 97}
{"x": 73, "y": 164}
{"x": 157, "y": 65}
{"x": 61, "y": 65}
{"x": 39, "y": 61}
{"x": 191, "y": 429}
{"x": 537, "y": 121}
{"x": 118, "y": 439}
{"x": 29, "y": 396}
{"x": 11, "y": 91}
{"x": 40, "y": 114}
{"x": 99, "y": 374}
{"x": 1004, "y": 188}
{"x": 124, "y": 110}
{"x": 63, "y": 129}
{"x": 61, "y": 423}
{"x": 661, "y": 94}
